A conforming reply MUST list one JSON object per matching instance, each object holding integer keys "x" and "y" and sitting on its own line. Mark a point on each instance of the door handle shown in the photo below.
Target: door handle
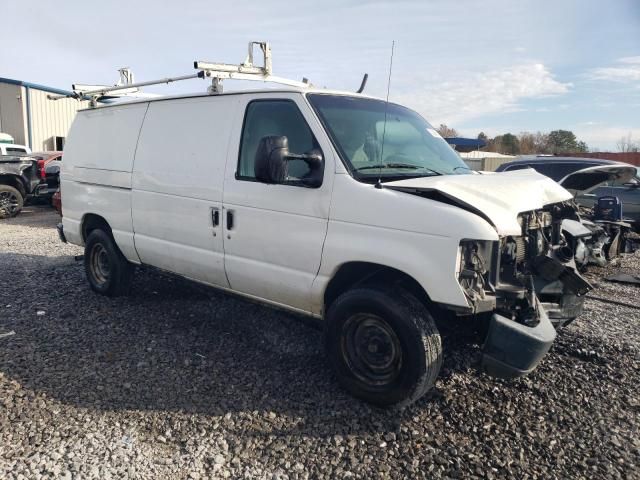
{"x": 229, "y": 219}
{"x": 215, "y": 216}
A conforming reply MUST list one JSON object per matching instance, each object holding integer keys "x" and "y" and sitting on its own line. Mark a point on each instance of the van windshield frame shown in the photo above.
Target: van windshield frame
{"x": 412, "y": 147}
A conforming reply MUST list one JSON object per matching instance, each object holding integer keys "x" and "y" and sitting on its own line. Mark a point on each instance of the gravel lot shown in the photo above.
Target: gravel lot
{"x": 180, "y": 381}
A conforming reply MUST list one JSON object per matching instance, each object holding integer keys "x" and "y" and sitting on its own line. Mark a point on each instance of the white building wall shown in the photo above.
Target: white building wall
{"x": 50, "y": 118}
{"x": 12, "y": 112}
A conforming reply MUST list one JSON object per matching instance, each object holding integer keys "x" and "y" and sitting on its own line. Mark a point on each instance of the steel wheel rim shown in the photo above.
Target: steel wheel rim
{"x": 9, "y": 202}
{"x": 371, "y": 349}
{"x": 100, "y": 265}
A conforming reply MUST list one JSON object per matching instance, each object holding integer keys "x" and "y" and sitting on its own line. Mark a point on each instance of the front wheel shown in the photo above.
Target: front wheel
{"x": 11, "y": 201}
{"x": 108, "y": 271}
{"x": 384, "y": 345}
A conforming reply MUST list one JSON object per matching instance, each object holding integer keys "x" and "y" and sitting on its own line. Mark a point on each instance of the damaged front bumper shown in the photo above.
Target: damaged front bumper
{"x": 529, "y": 284}
{"x": 512, "y": 349}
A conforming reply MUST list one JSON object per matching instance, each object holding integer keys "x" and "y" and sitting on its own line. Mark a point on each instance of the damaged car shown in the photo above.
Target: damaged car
{"x": 605, "y": 229}
{"x": 343, "y": 207}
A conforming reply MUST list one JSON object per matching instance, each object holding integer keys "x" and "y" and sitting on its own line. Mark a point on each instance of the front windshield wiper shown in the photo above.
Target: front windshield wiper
{"x": 388, "y": 165}
{"x": 396, "y": 165}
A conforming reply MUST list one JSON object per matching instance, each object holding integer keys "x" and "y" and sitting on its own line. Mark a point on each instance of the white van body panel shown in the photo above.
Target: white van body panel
{"x": 275, "y": 248}
{"x": 417, "y": 236}
{"x": 96, "y": 172}
{"x": 498, "y": 196}
{"x": 112, "y": 132}
{"x": 178, "y": 186}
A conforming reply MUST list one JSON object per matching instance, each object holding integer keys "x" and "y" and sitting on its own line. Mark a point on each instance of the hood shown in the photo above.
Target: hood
{"x": 587, "y": 179}
{"x": 497, "y": 197}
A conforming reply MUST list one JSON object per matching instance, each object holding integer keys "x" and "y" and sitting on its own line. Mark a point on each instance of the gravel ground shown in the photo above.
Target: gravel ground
{"x": 180, "y": 381}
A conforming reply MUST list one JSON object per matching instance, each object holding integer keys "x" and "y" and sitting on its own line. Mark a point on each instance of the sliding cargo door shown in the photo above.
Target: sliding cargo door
{"x": 177, "y": 186}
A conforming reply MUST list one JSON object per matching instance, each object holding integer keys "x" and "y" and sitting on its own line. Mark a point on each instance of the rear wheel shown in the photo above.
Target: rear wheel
{"x": 11, "y": 201}
{"x": 108, "y": 271}
{"x": 384, "y": 345}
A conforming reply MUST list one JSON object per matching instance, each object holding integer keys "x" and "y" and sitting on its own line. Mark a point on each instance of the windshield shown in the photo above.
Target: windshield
{"x": 411, "y": 147}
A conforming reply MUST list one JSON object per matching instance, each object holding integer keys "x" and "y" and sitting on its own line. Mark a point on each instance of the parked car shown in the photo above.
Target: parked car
{"x": 559, "y": 168}
{"x": 338, "y": 206}
{"x": 51, "y": 182}
{"x": 19, "y": 179}
{"x": 44, "y": 159}
{"x": 14, "y": 149}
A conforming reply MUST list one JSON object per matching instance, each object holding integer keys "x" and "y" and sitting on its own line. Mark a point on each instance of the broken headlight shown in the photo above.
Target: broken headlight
{"x": 474, "y": 265}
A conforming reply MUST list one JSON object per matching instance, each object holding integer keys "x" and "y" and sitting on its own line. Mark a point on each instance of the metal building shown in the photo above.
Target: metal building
{"x": 31, "y": 118}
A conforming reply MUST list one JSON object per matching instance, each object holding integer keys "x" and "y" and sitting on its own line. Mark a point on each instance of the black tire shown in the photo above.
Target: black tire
{"x": 108, "y": 271}
{"x": 11, "y": 201}
{"x": 403, "y": 353}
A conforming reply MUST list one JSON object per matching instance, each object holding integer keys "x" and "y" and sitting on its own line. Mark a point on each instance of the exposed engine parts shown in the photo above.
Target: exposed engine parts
{"x": 517, "y": 269}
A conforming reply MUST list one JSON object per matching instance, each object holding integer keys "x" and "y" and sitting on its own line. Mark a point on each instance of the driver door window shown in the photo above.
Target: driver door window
{"x": 274, "y": 118}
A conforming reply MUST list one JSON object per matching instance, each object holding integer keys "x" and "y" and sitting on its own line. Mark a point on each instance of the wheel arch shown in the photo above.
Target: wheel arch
{"x": 92, "y": 221}
{"x": 351, "y": 274}
{"x": 15, "y": 182}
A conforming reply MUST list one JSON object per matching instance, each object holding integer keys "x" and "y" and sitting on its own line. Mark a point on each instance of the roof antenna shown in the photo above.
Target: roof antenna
{"x": 384, "y": 127}
{"x": 363, "y": 83}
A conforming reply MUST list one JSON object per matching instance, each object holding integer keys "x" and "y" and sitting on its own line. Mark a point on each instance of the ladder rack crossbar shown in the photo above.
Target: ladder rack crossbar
{"x": 216, "y": 71}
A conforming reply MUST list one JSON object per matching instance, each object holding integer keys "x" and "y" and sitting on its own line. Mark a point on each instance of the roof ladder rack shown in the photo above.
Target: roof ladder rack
{"x": 217, "y": 72}
{"x": 245, "y": 71}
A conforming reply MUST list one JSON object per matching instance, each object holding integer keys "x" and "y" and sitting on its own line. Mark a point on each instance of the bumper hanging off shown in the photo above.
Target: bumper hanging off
{"x": 512, "y": 349}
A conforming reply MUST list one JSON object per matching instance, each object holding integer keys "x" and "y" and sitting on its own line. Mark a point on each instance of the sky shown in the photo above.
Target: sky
{"x": 494, "y": 65}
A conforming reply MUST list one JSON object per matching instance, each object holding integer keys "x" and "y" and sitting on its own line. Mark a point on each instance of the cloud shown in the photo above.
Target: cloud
{"x": 604, "y": 137}
{"x": 627, "y": 69}
{"x": 477, "y": 94}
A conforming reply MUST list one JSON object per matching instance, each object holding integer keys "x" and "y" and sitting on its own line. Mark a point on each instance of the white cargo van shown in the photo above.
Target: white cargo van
{"x": 334, "y": 205}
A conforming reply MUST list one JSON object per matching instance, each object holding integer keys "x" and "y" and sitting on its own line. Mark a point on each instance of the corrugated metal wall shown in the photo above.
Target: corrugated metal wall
{"x": 50, "y": 118}
{"x": 12, "y": 112}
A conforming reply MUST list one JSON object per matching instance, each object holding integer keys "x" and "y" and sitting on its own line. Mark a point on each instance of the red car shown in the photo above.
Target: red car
{"x": 43, "y": 159}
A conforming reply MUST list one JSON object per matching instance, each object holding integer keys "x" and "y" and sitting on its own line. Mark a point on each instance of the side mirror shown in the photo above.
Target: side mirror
{"x": 270, "y": 162}
{"x": 314, "y": 160}
{"x": 272, "y": 157}
{"x": 631, "y": 185}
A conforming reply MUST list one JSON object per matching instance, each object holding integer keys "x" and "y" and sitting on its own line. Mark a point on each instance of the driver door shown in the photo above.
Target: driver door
{"x": 273, "y": 234}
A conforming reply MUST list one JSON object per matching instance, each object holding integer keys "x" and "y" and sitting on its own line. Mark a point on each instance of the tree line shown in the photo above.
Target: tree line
{"x": 527, "y": 143}
{"x": 627, "y": 144}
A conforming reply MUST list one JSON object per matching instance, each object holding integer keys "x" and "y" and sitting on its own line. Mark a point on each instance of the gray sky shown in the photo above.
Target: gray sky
{"x": 492, "y": 65}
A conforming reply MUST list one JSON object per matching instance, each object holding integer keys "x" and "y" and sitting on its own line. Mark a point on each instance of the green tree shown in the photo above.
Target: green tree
{"x": 507, "y": 144}
{"x": 565, "y": 141}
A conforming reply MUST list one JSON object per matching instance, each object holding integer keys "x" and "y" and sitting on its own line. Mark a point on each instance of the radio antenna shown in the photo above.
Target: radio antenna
{"x": 384, "y": 126}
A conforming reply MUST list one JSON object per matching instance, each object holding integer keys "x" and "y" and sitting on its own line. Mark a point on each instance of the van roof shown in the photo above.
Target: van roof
{"x": 235, "y": 92}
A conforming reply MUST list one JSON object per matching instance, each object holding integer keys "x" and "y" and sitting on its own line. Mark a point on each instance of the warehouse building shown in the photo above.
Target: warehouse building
{"x": 31, "y": 118}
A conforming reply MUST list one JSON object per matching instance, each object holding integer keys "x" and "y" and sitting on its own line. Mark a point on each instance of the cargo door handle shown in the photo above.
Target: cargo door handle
{"x": 215, "y": 217}
{"x": 229, "y": 220}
